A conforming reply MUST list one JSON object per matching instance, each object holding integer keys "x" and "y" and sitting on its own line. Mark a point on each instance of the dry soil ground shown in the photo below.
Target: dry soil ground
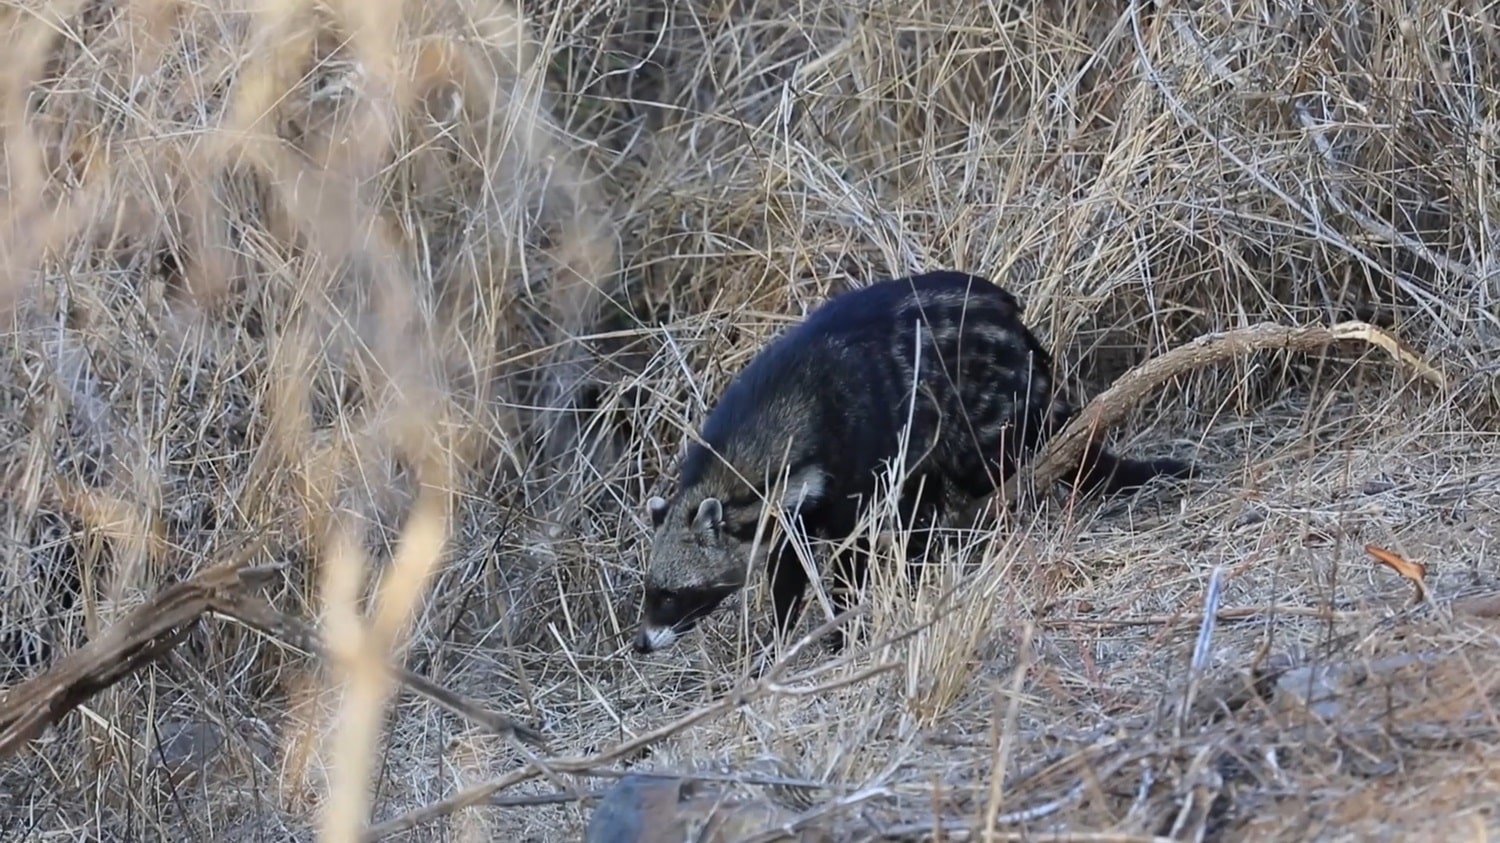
{"x": 420, "y": 298}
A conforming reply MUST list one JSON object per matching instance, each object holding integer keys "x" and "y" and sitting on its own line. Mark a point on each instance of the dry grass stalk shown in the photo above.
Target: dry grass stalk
{"x": 264, "y": 265}
{"x": 360, "y": 654}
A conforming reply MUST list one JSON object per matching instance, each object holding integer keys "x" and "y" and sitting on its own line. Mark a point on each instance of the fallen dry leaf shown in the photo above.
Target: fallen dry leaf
{"x": 1414, "y": 571}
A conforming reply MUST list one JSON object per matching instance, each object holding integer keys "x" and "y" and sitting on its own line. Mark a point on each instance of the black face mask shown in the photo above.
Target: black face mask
{"x": 680, "y": 609}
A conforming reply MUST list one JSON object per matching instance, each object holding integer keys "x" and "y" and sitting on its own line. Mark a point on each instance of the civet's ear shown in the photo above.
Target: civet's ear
{"x": 657, "y": 507}
{"x": 710, "y": 515}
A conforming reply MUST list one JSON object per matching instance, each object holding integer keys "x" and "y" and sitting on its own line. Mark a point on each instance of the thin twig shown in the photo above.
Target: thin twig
{"x": 703, "y": 776}
{"x": 481, "y": 793}
{"x": 538, "y": 799}
{"x": 1203, "y": 646}
{"x": 990, "y": 828}
{"x": 260, "y": 616}
{"x": 1005, "y": 740}
{"x": 957, "y": 829}
{"x": 1239, "y": 613}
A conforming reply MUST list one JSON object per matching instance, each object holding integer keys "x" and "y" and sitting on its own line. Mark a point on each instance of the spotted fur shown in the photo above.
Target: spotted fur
{"x": 811, "y": 424}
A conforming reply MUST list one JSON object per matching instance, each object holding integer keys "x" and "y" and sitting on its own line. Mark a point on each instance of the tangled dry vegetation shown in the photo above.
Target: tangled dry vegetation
{"x": 407, "y": 306}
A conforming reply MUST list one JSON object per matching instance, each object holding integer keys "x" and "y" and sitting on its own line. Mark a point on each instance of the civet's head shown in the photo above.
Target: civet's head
{"x": 696, "y": 561}
{"x": 700, "y": 554}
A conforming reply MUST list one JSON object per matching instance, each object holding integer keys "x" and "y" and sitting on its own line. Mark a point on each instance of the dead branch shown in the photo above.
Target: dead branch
{"x": 145, "y": 634}
{"x": 1111, "y": 406}
{"x": 151, "y": 630}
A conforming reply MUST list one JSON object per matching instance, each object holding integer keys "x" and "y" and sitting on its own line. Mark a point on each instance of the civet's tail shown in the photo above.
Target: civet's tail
{"x": 1100, "y": 469}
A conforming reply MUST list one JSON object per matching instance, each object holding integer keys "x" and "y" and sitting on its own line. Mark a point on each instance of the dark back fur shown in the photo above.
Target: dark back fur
{"x": 827, "y": 404}
{"x": 837, "y": 390}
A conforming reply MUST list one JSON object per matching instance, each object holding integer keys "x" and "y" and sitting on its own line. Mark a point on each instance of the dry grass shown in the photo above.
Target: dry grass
{"x": 423, "y": 296}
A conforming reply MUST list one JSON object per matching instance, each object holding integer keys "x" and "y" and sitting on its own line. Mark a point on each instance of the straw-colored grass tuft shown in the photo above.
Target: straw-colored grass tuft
{"x": 408, "y": 308}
